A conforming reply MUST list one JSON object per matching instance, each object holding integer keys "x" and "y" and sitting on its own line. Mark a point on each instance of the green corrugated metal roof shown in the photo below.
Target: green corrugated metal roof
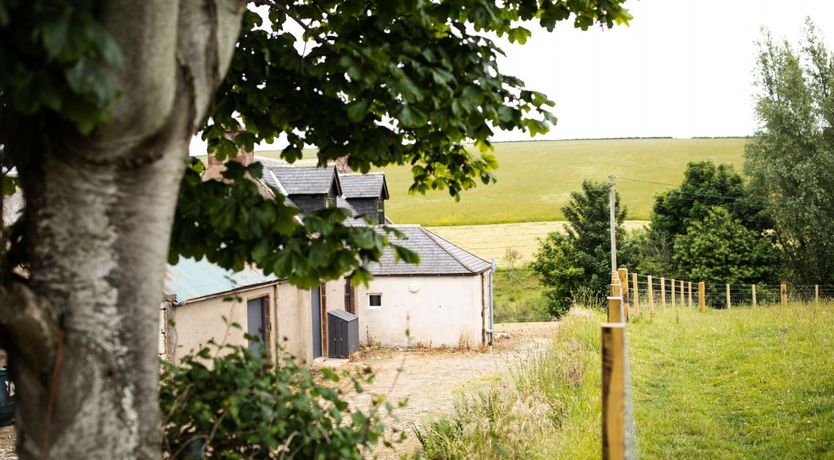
{"x": 192, "y": 279}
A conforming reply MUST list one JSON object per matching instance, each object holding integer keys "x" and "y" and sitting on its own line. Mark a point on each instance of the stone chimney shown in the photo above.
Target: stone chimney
{"x": 341, "y": 164}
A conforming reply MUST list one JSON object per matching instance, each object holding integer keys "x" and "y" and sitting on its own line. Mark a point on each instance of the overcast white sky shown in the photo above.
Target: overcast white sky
{"x": 682, "y": 68}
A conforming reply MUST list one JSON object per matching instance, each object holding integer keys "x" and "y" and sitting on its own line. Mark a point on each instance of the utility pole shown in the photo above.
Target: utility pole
{"x": 612, "y": 212}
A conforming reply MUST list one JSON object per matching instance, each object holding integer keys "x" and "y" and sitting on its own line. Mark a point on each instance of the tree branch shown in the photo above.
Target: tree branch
{"x": 302, "y": 24}
{"x": 27, "y": 325}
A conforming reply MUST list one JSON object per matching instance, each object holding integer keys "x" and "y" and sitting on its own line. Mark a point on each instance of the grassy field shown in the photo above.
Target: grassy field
{"x": 739, "y": 383}
{"x": 493, "y": 240}
{"x": 535, "y": 179}
{"x": 518, "y": 297}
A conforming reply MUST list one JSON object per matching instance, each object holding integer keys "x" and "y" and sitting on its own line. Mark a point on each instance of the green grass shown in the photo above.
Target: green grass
{"x": 535, "y": 179}
{"x": 738, "y": 383}
{"x": 741, "y": 383}
{"x": 518, "y": 297}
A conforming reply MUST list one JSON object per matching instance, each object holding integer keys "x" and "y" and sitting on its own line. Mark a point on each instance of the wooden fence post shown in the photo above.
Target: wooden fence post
{"x": 663, "y": 292}
{"x": 636, "y": 290}
{"x": 702, "y": 300}
{"x": 613, "y": 391}
{"x": 683, "y": 295}
{"x": 650, "y": 288}
{"x": 783, "y": 292}
{"x": 689, "y": 285}
{"x": 817, "y": 294}
{"x": 728, "y": 297}
{"x": 755, "y": 302}
{"x": 623, "y": 275}
{"x": 615, "y": 304}
{"x": 672, "y": 284}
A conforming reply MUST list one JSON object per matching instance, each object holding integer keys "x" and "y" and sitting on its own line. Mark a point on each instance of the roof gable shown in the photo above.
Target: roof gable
{"x": 302, "y": 180}
{"x": 372, "y": 185}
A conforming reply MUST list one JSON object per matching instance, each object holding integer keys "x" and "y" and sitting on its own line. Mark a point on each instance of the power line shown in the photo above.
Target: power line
{"x": 718, "y": 196}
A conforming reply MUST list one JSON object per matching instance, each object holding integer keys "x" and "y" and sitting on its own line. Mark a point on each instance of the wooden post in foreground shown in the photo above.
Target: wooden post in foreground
{"x": 651, "y": 294}
{"x": 755, "y": 302}
{"x": 613, "y": 391}
{"x": 689, "y": 285}
{"x": 817, "y": 294}
{"x": 623, "y": 274}
{"x": 702, "y": 298}
{"x": 663, "y": 292}
{"x": 635, "y": 288}
{"x": 672, "y": 284}
{"x": 783, "y": 292}
{"x": 728, "y": 296}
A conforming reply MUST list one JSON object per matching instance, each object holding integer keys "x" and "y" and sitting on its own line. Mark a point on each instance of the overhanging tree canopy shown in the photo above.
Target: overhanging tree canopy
{"x": 98, "y": 101}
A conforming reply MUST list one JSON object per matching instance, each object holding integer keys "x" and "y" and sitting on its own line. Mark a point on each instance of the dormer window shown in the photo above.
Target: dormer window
{"x": 330, "y": 202}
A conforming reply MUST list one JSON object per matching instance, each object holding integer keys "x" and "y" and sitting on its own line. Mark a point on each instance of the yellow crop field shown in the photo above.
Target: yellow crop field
{"x": 493, "y": 240}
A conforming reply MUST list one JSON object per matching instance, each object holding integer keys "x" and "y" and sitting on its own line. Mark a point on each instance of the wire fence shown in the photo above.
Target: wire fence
{"x": 667, "y": 292}
{"x": 631, "y": 296}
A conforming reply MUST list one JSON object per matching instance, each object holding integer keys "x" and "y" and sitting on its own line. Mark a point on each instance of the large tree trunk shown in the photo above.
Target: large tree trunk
{"x": 84, "y": 328}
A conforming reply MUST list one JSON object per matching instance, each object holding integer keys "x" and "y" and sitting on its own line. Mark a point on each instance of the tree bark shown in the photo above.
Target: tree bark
{"x": 99, "y": 214}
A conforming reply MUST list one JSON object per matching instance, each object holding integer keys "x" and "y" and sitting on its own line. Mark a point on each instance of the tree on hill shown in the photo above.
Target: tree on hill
{"x": 719, "y": 249}
{"x": 790, "y": 160}
{"x": 98, "y": 103}
{"x": 704, "y": 187}
{"x": 578, "y": 262}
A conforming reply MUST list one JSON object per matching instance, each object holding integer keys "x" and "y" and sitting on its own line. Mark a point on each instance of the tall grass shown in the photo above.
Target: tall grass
{"x": 547, "y": 406}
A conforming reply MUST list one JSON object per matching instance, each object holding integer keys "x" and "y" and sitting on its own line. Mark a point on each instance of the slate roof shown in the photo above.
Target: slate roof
{"x": 192, "y": 279}
{"x": 353, "y": 219}
{"x": 304, "y": 180}
{"x": 437, "y": 256}
{"x": 370, "y": 185}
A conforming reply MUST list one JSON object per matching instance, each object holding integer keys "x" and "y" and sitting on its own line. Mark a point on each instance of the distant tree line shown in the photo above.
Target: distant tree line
{"x": 776, "y": 224}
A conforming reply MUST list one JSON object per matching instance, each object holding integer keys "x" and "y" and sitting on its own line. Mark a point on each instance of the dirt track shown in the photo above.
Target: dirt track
{"x": 430, "y": 379}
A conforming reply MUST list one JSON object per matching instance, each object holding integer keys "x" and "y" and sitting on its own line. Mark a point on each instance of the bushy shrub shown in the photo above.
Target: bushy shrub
{"x": 224, "y": 402}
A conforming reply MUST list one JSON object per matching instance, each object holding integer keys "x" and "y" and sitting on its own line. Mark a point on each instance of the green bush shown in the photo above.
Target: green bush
{"x": 225, "y": 402}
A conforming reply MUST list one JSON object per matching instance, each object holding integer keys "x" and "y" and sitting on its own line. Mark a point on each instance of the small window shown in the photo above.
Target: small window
{"x": 374, "y": 300}
{"x": 330, "y": 202}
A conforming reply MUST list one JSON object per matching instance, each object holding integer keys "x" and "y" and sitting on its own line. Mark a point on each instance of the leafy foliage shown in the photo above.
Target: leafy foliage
{"x": 720, "y": 249}
{"x": 387, "y": 82}
{"x": 54, "y": 57}
{"x": 245, "y": 226}
{"x": 402, "y": 82}
{"x": 579, "y": 259}
{"x": 704, "y": 186}
{"x": 225, "y": 402}
{"x": 791, "y": 158}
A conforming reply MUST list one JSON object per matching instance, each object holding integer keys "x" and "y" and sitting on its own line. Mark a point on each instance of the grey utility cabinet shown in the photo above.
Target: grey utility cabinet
{"x": 343, "y": 329}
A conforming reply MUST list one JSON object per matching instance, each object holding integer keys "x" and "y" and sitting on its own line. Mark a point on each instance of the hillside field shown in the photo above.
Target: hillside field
{"x": 535, "y": 178}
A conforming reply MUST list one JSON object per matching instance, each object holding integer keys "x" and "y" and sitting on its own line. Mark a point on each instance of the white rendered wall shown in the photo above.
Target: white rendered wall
{"x": 436, "y": 311}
